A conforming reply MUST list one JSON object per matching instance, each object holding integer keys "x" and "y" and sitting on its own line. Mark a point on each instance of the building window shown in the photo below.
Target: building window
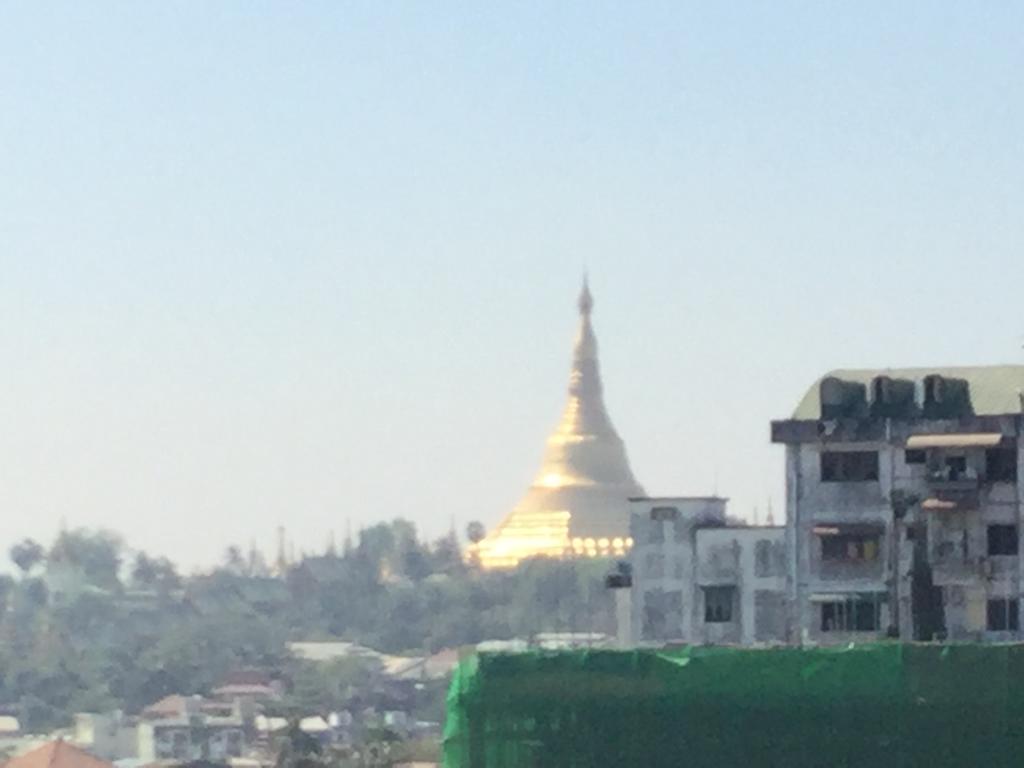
{"x": 1003, "y": 615}
{"x": 654, "y": 566}
{"x": 662, "y": 615}
{"x": 664, "y": 513}
{"x": 849, "y": 466}
{"x": 1002, "y": 539}
{"x": 914, "y": 457}
{"x": 718, "y": 602}
{"x": 956, "y": 467}
{"x": 1001, "y": 465}
{"x": 769, "y": 558}
{"x": 680, "y": 530}
{"x": 857, "y": 614}
{"x": 850, "y": 547}
{"x": 655, "y": 532}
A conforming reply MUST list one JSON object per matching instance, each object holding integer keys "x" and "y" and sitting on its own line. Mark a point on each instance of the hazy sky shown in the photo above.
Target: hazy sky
{"x": 303, "y": 263}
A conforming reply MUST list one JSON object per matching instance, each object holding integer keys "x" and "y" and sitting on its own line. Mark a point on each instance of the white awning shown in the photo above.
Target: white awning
{"x": 938, "y": 505}
{"x": 837, "y": 597}
{"x": 963, "y": 440}
{"x": 853, "y": 529}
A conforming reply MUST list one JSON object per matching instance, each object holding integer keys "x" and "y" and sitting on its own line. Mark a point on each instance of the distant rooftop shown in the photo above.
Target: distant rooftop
{"x": 57, "y": 754}
{"x": 326, "y": 651}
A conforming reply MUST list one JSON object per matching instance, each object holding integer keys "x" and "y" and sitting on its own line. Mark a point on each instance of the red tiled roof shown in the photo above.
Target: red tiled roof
{"x": 57, "y": 754}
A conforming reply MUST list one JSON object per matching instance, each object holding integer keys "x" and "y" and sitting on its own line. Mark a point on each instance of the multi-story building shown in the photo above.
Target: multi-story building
{"x": 696, "y": 578}
{"x": 903, "y": 505}
{"x": 189, "y": 728}
{"x": 108, "y": 736}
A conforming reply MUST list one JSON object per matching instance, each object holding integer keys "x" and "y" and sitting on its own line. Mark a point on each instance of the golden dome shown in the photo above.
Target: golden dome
{"x": 579, "y": 498}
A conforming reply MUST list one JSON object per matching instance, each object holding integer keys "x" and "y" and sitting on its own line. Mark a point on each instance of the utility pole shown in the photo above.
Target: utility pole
{"x": 901, "y": 503}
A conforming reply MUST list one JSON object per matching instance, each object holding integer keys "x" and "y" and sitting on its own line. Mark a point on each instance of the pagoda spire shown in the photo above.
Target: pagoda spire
{"x": 585, "y": 412}
{"x": 585, "y": 301}
{"x": 578, "y": 502}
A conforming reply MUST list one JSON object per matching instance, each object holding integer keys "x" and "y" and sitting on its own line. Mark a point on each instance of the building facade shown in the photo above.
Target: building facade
{"x": 903, "y": 505}
{"x": 192, "y": 729}
{"x": 694, "y": 578}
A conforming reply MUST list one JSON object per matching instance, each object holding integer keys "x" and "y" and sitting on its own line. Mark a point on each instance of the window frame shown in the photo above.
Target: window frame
{"x": 847, "y": 615}
{"x": 849, "y": 466}
{"x": 664, "y": 513}
{"x": 913, "y": 457}
{"x": 1002, "y": 614}
{"x": 1002, "y": 540}
{"x": 719, "y": 604}
{"x": 843, "y": 539}
{"x": 1001, "y": 465}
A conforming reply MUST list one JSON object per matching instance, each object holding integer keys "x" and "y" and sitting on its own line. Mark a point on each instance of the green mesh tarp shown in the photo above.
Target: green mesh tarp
{"x": 881, "y": 705}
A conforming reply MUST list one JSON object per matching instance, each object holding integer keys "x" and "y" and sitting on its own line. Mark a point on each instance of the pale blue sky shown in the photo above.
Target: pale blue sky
{"x": 310, "y": 262}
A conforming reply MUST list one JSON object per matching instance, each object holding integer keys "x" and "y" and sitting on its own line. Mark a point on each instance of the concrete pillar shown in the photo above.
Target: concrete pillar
{"x": 624, "y": 617}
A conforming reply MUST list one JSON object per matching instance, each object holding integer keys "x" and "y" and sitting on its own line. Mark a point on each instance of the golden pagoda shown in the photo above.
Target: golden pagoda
{"x": 578, "y": 505}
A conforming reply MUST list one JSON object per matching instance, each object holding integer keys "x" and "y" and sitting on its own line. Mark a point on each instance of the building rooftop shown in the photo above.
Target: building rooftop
{"x": 678, "y": 498}
{"x": 57, "y": 754}
{"x": 311, "y": 650}
{"x": 994, "y": 389}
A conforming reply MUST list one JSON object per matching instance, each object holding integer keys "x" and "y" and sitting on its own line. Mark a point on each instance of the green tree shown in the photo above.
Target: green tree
{"x": 446, "y": 556}
{"x": 96, "y": 556}
{"x": 297, "y": 749}
{"x": 323, "y": 687}
{"x": 154, "y": 573}
{"x": 234, "y": 561}
{"x": 27, "y": 554}
{"x": 475, "y": 532}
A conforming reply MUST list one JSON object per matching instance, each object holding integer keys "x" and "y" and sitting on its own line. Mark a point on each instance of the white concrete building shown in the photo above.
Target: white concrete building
{"x": 693, "y": 578}
{"x": 109, "y": 736}
{"x": 903, "y": 505}
{"x": 190, "y": 728}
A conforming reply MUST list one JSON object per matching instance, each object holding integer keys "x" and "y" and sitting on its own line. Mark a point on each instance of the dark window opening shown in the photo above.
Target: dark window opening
{"x": 850, "y": 547}
{"x": 1002, "y": 540}
{"x": 853, "y": 615}
{"x": 849, "y": 466}
{"x": 1003, "y": 615}
{"x": 1001, "y": 465}
{"x": 664, "y": 513}
{"x": 718, "y": 602}
{"x": 914, "y": 457}
{"x": 956, "y": 467}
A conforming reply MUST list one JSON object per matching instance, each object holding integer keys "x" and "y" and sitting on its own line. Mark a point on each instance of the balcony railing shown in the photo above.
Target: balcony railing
{"x": 963, "y": 493}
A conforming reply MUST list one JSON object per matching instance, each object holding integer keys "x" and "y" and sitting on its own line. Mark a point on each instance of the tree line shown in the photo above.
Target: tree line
{"x": 88, "y": 625}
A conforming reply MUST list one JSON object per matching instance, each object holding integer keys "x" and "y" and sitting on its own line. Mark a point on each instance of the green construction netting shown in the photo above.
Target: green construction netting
{"x": 876, "y": 705}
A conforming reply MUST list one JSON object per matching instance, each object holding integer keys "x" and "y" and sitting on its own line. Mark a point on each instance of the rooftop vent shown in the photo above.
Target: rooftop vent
{"x": 945, "y": 398}
{"x": 842, "y": 399}
{"x": 892, "y": 397}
